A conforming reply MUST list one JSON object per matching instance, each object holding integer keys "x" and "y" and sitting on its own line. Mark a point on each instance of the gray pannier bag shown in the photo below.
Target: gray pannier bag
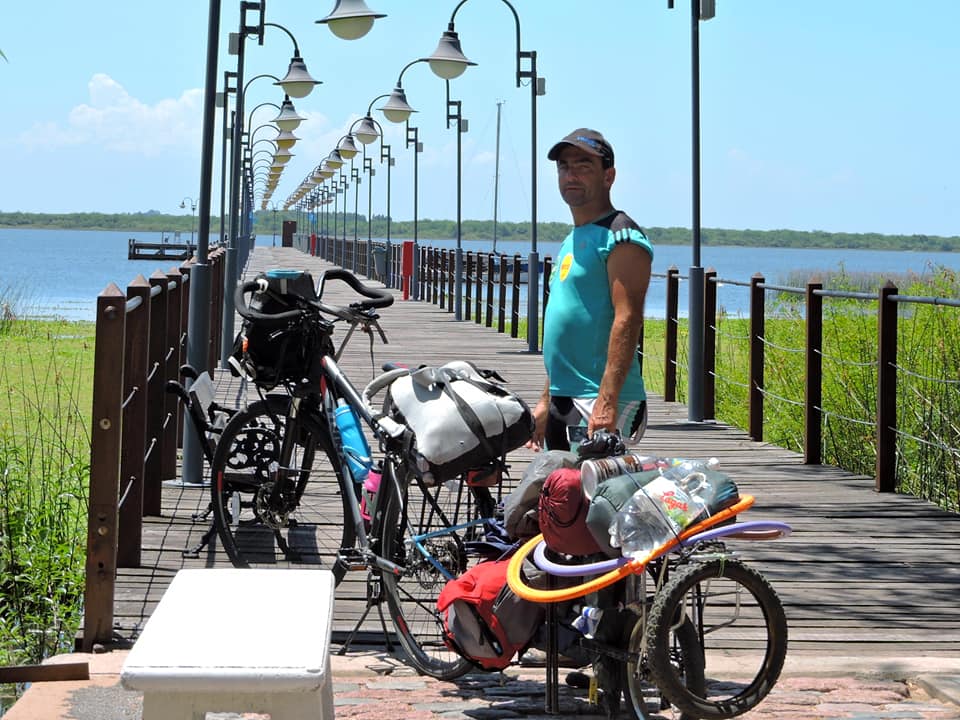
{"x": 461, "y": 419}
{"x": 520, "y": 507}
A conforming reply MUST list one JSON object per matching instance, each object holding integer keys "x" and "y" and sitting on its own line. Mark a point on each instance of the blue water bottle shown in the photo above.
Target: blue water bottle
{"x": 355, "y": 446}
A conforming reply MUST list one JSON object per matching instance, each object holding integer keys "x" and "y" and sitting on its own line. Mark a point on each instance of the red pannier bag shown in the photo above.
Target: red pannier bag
{"x": 563, "y": 514}
{"x": 483, "y": 620}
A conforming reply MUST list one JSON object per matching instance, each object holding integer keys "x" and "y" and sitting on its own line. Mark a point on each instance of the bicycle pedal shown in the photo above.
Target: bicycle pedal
{"x": 352, "y": 559}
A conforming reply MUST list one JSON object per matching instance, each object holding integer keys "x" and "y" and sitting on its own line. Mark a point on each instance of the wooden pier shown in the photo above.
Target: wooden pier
{"x": 863, "y": 574}
{"x": 176, "y": 250}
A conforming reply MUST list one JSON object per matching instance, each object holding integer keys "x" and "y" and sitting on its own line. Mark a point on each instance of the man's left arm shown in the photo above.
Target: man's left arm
{"x": 628, "y": 270}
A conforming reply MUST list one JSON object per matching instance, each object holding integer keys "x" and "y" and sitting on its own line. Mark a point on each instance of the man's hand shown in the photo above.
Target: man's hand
{"x": 540, "y": 412}
{"x": 603, "y": 417}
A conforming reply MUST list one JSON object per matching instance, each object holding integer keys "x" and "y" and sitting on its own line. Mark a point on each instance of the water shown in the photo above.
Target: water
{"x": 740, "y": 263}
{"x": 61, "y": 272}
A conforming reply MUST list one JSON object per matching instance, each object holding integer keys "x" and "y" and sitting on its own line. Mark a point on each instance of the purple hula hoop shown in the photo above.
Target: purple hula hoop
{"x": 601, "y": 566}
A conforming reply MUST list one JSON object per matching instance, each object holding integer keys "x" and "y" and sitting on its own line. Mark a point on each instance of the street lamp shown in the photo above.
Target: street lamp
{"x": 367, "y": 131}
{"x": 398, "y": 110}
{"x": 699, "y": 10}
{"x": 447, "y": 62}
{"x": 193, "y": 209}
{"x": 350, "y": 19}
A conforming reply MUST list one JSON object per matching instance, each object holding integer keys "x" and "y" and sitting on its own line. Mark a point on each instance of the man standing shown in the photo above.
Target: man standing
{"x": 595, "y": 314}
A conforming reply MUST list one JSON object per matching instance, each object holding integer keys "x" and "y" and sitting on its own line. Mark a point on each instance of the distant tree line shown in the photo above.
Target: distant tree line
{"x": 267, "y": 222}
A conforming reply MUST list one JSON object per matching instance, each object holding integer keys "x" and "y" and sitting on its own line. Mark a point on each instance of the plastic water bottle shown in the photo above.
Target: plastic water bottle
{"x": 690, "y": 476}
{"x": 588, "y": 620}
{"x": 355, "y": 446}
{"x": 652, "y": 515}
{"x": 679, "y": 468}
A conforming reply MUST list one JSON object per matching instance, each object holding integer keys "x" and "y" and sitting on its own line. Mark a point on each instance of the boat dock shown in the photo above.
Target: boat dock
{"x": 164, "y": 250}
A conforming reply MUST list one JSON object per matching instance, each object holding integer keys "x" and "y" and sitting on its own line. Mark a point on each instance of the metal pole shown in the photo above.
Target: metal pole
{"x": 458, "y": 257}
{"x": 198, "y": 319}
{"x": 496, "y": 180}
{"x": 533, "y": 262}
{"x": 356, "y": 215}
{"x": 695, "y": 291}
{"x": 231, "y": 271}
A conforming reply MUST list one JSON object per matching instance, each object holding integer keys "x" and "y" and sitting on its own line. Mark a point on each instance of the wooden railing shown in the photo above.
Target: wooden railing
{"x": 141, "y": 340}
{"x": 887, "y": 301}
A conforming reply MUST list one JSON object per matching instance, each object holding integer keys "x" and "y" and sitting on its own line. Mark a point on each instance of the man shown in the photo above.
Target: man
{"x": 595, "y": 313}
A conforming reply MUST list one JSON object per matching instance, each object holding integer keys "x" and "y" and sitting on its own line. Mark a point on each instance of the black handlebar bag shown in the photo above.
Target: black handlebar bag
{"x": 270, "y": 353}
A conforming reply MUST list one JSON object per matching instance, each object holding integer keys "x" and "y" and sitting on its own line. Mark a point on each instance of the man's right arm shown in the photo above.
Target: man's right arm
{"x": 540, "y": 413}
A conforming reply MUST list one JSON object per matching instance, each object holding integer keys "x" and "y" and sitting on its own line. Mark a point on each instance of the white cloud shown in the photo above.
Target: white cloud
{"x": 118, "y": 122}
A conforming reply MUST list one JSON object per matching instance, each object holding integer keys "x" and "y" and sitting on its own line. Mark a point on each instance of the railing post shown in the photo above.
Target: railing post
{"x": 710, "y": 344}
{"x": 468, "y": 286}
{"x": 452, "y": 300}
{"x": 136, "y": 332}
{"x": 670, "y": 335}
{"x": 813, "y": 378}
{"x": 547, "y": 271}
{"x": 515, "y": 311}
{"x": 156, "y": 409}
{"x": 478, "y": 288}
{"x": 490, "y": 266}
{"x": 102, "y": 517}
{"x": 171, "y": 406}
{"x": 502, "y": 297}
{"x": 886, "y": 480}
{"x": 757, "y": 337}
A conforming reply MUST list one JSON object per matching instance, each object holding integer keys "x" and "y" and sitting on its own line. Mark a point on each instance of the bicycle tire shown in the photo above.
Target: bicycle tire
{"x": 686, "y": 656}
{"x": 753, "y": 644}
{"x": 259, "y": 527}
{"x": 411, "y": 510}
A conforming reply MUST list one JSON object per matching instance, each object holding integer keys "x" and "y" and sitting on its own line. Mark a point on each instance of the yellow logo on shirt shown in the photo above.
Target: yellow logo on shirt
{"x": 565, "y": 266}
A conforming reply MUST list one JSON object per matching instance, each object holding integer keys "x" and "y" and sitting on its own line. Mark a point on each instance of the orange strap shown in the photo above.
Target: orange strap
{"x": 521, "y": 589}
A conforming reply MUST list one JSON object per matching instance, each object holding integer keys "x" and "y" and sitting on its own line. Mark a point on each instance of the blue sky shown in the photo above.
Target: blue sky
{"x": 821, "y": 114}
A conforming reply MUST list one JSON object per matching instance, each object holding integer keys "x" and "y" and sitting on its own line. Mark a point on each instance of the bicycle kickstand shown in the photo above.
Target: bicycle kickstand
{"x": 194, "y": 552}
{"x": 374, "y": 598}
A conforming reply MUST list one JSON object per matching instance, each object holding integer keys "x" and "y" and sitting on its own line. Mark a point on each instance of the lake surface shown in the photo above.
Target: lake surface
{"x": 61, "y": 272}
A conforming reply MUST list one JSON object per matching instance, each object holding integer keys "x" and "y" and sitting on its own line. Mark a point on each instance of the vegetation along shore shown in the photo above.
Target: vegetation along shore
{"x": 268, "y": 222}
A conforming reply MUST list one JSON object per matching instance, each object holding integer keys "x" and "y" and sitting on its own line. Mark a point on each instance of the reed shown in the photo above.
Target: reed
{"x": 46, "y": 371}
{"x": 928, "y": 401}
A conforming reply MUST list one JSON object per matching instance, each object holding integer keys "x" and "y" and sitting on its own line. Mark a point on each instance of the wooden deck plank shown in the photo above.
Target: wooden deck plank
{"x": 863, "y": 573}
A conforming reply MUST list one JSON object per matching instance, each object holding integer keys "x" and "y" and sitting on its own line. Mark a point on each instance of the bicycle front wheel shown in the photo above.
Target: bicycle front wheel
{"x": 423, "y": 533}
{"x": 275, "y": 489}
{"x": 743, "y": 632}
{"x": 644, "y": 698}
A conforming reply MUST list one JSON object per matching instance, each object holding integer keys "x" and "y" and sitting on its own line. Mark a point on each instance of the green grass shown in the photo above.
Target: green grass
{"x": 46, "y": 372}
{"x": 928, "y": 392}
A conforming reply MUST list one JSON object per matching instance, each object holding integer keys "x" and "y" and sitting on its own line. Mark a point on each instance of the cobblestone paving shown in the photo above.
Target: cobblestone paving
{"x": 508, "y": 696}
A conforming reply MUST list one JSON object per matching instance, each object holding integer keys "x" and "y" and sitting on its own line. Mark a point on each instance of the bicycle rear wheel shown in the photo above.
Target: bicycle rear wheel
{"x": 414, "y": 516}
{"x": 743, "y": 630}
{"x": 275, "y": 489}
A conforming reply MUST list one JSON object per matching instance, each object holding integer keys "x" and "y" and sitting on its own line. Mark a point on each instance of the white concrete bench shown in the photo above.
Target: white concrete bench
{"x": 228, "y": 640}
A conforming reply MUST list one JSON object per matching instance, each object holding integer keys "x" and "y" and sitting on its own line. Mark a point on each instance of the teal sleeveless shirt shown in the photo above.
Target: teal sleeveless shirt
{"x": 579, "y": 316}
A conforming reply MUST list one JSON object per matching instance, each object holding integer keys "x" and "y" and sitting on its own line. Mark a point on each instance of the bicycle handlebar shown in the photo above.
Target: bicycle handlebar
{"x": 377, "y": 298}
{"x": 245, "y": 311}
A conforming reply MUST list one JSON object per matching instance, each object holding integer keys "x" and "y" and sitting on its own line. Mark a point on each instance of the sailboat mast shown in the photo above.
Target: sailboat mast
{"x": 496, "y": 181}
